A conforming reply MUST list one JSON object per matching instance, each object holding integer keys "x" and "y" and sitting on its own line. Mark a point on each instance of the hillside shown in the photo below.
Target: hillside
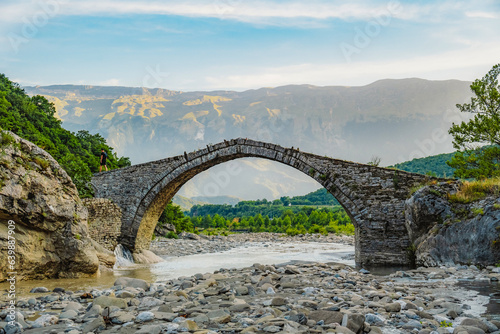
{"x": 388, "y": 118}
{"x": 318, "y": 198}
{"x": 434, "y": 165}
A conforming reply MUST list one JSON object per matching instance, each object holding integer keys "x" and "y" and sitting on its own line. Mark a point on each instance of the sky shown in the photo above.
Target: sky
{"x": 239, "y": 45}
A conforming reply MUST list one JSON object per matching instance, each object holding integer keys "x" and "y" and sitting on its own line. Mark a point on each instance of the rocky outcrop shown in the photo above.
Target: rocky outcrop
{"x": 163, "y": 231}
{"x": 40, "y": 204}
{"x": 445, "y": 232}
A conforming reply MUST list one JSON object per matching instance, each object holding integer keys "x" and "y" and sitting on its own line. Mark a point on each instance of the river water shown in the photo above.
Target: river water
{"x": 484, "y": 296}
{"x": 173, "y": 267}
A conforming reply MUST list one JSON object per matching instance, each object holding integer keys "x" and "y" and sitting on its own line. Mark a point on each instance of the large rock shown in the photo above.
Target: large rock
{"x": 38, "y": 198}
{"x": 452, "y": 233}
{"x": 128, "y": 282}
{"x": 106, "y": 257}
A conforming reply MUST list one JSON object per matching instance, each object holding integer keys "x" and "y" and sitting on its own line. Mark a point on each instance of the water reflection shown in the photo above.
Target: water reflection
{"x": 489, "y": 289}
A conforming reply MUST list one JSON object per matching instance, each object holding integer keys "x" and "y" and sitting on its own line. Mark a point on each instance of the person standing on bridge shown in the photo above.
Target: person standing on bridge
{"x": 104, "y": 156}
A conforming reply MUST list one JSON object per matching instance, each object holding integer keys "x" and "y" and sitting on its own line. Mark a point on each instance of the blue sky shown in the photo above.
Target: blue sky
{"x": 238, "y": 45}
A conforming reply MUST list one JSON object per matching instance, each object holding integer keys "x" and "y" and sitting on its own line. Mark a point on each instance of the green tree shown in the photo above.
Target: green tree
{"x": 478, "y": 140}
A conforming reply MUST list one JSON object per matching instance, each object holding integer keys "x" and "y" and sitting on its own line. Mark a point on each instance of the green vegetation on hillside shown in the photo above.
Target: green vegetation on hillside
{"x": 32, "y": 118}
{"x": 320, "y": 197}
{"x": 286, "y": 215}
{"x": 434, "y": 165}
{"x": 479, "y": 138}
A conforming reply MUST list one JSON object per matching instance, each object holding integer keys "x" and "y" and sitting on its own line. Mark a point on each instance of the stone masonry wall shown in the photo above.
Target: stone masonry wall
{"x": 104, "y": 220}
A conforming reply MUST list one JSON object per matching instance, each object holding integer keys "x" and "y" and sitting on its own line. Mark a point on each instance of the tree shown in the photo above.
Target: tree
{"x": 478, "y": 140}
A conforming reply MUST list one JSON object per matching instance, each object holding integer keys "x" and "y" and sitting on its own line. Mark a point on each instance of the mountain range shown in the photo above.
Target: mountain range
{"x": 396, "y": 120}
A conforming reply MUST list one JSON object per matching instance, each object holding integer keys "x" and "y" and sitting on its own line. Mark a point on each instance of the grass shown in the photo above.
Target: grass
{"x": 42, "y": 162}
{"x": 471, "y": 191}
{"x": 477, "y": 211}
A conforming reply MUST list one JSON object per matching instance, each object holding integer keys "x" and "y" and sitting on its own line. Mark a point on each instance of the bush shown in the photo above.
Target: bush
{"x": 172, "y": 235}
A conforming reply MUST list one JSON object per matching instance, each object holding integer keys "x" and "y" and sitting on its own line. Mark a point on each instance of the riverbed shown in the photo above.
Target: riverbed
{"x": 175, "y": 266}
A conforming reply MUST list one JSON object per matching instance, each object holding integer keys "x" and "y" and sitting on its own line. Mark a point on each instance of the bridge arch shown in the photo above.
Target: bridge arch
{"x": 373, "y": 197}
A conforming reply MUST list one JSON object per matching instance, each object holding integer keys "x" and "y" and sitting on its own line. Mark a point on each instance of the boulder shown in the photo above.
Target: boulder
{"x": 40, "y": 203}
{"x": 106, "y": 257}
{"x": 191, "y": 236}
{"x": 327, "y": 316}
{"x": 144, "y": 256}
{"x": 445, "y": 232}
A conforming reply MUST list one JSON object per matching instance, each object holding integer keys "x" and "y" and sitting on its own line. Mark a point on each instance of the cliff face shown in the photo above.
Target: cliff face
{"x": 444, "y": 232}
{"x": 40, "y": 204}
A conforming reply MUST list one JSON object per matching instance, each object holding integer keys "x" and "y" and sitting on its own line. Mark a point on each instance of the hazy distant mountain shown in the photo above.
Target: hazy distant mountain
{"x": 231, "y": 200}
{"x": 397, "y": 120}
{"x": 186, "y": 203}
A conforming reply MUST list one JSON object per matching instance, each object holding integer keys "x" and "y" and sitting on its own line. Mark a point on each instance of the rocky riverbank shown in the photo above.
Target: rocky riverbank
{"x": 299, "y": 298}
{"x": 190, "y": 243}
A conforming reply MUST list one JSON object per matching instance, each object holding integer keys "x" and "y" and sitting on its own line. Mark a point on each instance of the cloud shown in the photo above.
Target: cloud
{"x": 482, "y": 15}
{"x": 258, "y": 11}
{"x": 458, "y": 64}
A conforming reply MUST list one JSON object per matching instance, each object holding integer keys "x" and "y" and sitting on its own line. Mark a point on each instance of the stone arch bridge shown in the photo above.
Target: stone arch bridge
{"x": 372, "y": 196}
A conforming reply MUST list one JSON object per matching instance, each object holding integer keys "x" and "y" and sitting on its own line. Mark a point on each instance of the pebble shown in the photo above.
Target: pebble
{"x": 145, "y": 316}
{"x": 299, "y": 298}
